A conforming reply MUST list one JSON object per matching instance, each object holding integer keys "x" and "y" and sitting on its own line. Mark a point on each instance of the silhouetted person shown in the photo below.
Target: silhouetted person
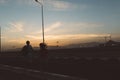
{"x": 27, "y": 51}
{"x": 43, "y": 52}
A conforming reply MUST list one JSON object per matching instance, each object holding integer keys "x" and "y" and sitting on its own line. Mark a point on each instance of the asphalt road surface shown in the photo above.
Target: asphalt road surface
{"x": 91, "y": 64}
{"x": 18, "y": 73}
{"x": 8, "y": 75}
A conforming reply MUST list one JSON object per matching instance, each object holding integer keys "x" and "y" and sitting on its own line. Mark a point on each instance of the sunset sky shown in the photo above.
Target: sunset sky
{"x": 66, "y": 21}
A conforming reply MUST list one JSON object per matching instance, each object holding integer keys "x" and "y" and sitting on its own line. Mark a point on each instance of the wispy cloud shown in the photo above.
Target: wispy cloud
{"x": 66, "y": 28}
{"x": 3, "y": 37}
{"x": 68, "y": 36}
{"x": 28, "y": 2}
{"x": 60, "y": 31}
{"x": 50, "y": 27}
{"x": 16, "y": 27}
{"x": 16, "y": 41}
{"x": 56, "y": 5}
{"x": 84, "y": 24}
{"x": 53, "y": 26}
{"x": 32, "y": 36}
{"x": 77, "y": 27}
{"x": 59, "y": 5}
{"x": 3, "y": 1}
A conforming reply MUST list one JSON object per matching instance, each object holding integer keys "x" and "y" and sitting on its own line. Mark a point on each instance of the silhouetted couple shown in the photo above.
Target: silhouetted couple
{"x": 27, "y": 52}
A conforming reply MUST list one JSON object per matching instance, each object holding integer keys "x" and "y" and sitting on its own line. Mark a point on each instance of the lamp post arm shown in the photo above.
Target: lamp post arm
{"x": 39, "y": 2}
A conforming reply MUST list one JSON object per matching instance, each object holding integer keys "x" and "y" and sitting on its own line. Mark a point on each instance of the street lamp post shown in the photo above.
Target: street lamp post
{"x": 0, "y": 39}
{"x": 42, "y": 19}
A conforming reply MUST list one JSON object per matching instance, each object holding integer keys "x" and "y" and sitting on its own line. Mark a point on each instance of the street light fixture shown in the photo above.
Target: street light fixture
{"x": 42, "y": 19}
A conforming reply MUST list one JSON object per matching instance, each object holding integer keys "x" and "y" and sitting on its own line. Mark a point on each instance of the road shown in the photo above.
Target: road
{"x": 19, "y": 73}
{"x": 8, "y": 75}
{"x": 91, "y": 64}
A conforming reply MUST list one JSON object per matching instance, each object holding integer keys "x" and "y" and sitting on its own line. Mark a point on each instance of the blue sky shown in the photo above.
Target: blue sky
{"x": 66, "y": 21}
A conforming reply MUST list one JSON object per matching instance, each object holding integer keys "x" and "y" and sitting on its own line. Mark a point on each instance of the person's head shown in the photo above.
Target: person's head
{"x": 43, "y": 45}
{"x": 27, "y": 42}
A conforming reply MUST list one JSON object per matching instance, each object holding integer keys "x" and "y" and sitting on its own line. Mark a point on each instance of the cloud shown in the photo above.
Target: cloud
{"x": 59, "y": 5}
{"x": 50, "y": 28}
{"x": 53, "y": 26}
{"x": 3, "y": 1}
{"x": 68, "y": 36}
{"x": 66, "y": 32}
{"x": 28, "y": 2}
{"x": 3, "y": 37}
{"x": 16, "y": 27}
{"x": 77, "y": 27}
{"x": 32, "y": 37}
{"x": 68, "y": 28}
{"x": 84, "y": 24}
{"x": 75, "y": 36}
